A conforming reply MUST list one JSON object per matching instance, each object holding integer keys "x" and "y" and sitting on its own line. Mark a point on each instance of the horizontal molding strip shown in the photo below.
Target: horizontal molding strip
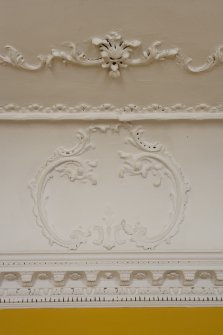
{"x": 112, "y": 304}
{"x": 154, "y": 260}
{"x": 109, "y": 112}
{"x": 74, "y": 288}
{"x": 182, "y": 255}
{"x": 162, "y": 300}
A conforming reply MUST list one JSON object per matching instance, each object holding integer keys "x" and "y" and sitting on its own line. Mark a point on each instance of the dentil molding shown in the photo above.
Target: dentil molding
{"x": 114, "y": 53}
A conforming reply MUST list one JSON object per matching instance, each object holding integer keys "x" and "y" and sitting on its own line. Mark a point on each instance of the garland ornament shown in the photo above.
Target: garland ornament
{"x": 114, "y": 53}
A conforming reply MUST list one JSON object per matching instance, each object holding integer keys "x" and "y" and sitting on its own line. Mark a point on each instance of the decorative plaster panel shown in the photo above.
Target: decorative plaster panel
{"x": 151, "y": 160}
{"x": 111, "y": 190}
{"x": 113, "y": 216}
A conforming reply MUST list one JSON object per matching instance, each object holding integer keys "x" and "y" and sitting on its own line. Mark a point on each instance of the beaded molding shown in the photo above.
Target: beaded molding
{"x": 108, "y": 111}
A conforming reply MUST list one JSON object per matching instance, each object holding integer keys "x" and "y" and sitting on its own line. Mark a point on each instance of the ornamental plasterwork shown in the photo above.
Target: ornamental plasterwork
{"x": 126, "y": 268}
{"x": 114, "y": 53}
{"x": 152, "y": 161}
{"x": 80, "y": 288}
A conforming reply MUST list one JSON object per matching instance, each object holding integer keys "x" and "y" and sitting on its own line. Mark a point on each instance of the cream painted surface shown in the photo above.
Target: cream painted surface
{"x": 111, "y": 188}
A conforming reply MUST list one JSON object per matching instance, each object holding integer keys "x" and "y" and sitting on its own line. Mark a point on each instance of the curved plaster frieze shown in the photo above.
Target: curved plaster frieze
{"x": 152, "y": 161}
{"x": 28, "y": 278}
{"x": 114, "y": 53}
{"x": 75, "y": 288}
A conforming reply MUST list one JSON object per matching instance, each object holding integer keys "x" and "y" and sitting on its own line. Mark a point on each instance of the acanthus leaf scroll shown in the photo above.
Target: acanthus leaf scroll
{"x": 114, "y": 53}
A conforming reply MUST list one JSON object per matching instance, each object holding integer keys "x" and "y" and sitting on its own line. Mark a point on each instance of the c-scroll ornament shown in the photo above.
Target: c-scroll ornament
{"x": 114, "y": 53}
{"x": 68, "y": 163}
{"x": 154, "y": 161}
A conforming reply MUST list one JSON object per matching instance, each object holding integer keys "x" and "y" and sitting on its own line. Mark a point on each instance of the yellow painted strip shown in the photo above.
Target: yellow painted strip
{"x": 126, "y": 321}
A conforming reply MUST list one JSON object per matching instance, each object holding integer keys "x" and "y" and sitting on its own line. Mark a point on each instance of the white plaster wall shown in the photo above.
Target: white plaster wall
{"x": 185, "y": 265}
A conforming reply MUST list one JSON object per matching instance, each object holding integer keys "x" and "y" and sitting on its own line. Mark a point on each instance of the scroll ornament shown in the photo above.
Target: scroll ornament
{"x": 151, "y": 161}
{"x": 114, "y": 53}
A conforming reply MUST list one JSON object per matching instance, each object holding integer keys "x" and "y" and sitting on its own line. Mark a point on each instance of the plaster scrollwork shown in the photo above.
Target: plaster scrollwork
{"x": 109, "y": 233}
{"x": 156, "y": 162}
{"x": 67, "y": 163}
{"x": 114, "y": 53}
{"x": 151, "y": 160}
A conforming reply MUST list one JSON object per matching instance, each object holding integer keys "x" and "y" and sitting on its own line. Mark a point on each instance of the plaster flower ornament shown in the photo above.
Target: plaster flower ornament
{"x": 115, "y": 52}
